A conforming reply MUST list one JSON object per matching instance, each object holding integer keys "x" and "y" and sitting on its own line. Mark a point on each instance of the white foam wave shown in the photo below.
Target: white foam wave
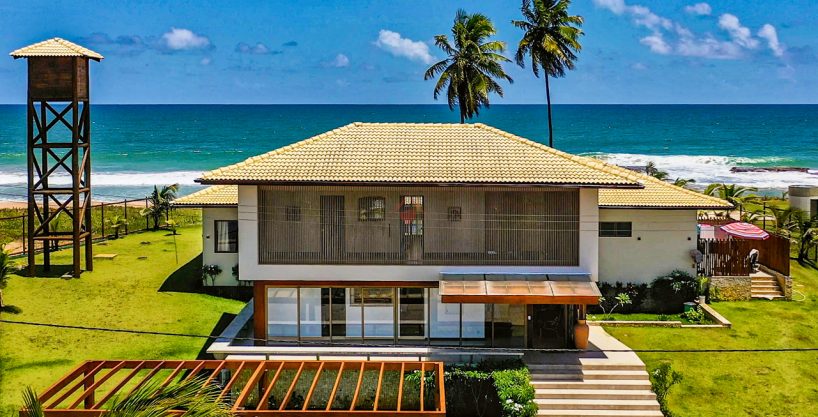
{"x": 121, "y": 179}
{"x": 707, "y": 169}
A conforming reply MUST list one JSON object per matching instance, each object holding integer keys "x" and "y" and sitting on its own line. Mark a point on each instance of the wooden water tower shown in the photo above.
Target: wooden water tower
{"x": 59, "y": 149}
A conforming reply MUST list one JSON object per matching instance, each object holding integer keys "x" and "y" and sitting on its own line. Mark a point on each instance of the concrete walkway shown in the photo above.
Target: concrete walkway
{"x": 599, "y": 382}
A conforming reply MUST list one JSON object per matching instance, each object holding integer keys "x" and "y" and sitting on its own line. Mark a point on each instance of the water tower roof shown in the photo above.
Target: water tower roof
{"x": 55, "y": 47}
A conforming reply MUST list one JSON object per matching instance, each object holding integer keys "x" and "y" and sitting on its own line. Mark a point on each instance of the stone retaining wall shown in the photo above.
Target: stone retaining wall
{"x": 731, "y": 288}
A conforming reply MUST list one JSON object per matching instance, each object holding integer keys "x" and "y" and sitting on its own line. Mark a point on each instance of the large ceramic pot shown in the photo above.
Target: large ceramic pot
{"x": 581, "y": 334}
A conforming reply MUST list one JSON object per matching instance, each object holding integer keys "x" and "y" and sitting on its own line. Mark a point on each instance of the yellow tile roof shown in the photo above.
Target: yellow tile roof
{"x": 217, "y": 195}
{"x": 420, "y": 154}
{"x": 658, "y": 194}
{"x": 55, "y": 47}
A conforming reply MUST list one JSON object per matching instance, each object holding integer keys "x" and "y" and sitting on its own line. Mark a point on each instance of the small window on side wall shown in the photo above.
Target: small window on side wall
{"x": 227, "y": 236}
{"x": 455, "y": 214}
{"x": 292, "y": 213}
{"x": 615, "y": 229}
{"x": 371, "y": 209}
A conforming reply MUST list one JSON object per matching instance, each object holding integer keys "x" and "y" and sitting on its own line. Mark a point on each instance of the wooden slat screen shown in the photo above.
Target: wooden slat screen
{"x": 425, "y": 226}
{"x": 728, "y": 257}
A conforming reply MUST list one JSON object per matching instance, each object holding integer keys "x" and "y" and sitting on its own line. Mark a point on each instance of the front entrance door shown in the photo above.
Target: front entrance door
{"x": 332, "y": 227}
{"x": 411, "y": 225}
{"x": 546, "y": 326}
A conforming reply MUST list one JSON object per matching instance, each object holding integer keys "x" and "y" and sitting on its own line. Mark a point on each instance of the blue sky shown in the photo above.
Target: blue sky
{"x": 635, "y": 51}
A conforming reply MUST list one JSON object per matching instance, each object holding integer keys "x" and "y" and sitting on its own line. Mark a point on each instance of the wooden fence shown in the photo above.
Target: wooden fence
{"x": 729, "y": 257}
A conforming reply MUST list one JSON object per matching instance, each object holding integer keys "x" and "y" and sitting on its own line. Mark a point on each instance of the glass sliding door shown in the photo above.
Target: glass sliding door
{"x": 509, "y": 325}
{"x": 346, "y": 320}
{"x": 412, "y": 314}
{"x": 379, "y": 311}
{"x": 444, "y": 320}
{"x": 282, "y": 313}
{"x": 476, "y": 324}
{"x": 315, "y": 313}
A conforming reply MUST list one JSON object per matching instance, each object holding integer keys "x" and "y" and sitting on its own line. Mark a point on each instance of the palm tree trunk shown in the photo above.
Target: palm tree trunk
{"x": 550, "y": 125}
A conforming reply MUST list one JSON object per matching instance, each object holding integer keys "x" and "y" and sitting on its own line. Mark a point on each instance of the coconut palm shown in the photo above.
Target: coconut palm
{"x": 190, "y": 397}
{"x": 551, "y": 41}
{"x": 736, "y": 195}
{"x": 117, "y": 223}
{"x": 783, "y": 217}
{"x": 5, "y": 270}
{"x": 653, "y": 171}
{"x": 803, "y": 232}
{"x": 159, "y": 203}
{"x": 474, "y": 63}
{"x": 683, "y": 182}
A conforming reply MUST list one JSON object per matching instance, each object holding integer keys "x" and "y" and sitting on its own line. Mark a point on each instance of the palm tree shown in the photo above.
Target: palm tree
{"x": 736, "y": 195}
{"x": 474, "y": 62}
{"x": 650, "y": 169}
{"x": 117, "y": 222}
{"x": 168, "y": 194}
{"x": 5, "y": 270}
{"x": 151, "y": 400}
{"x": 159, "y": 203}
{"x": 783, "y": 217}
{"x": 803, "y": 231}
{"x": 683, "y": 182}
{"x": 551, "y": 40}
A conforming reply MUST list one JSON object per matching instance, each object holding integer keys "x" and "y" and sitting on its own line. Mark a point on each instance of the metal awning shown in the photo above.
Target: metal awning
{"x": 255, "y": 388}
{"x": 519, "y": 292}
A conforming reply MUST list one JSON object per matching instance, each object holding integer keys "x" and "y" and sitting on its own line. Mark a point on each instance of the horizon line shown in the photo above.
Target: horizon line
{"x": 437, "y": 104}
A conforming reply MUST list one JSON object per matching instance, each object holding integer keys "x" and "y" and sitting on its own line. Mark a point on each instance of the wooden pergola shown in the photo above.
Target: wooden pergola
{"x": 262, "y": 388}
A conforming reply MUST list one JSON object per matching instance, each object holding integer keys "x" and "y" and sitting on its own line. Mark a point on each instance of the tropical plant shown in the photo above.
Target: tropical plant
{"x": 159, "y": 203}
{"x": 736, "y": 195}
{"x": 751, "y": 216}
{"x": 551, "y": 42}
{"x": 190, "y": 396}
{"x": 172, "y": 225}
{"x": 662, "y": 379}
{"x": 803, "y": 232}
{"x": 683, "y": 182}
{"x": 653, "y": 171}
{"x": 117, "y": 223}
{"x": 6, "y": 266}
{"x": 608, "y": 306}
{"x": 783, "y": 218}
{"x": 211, "y": 272}
{"x": 473, "y": 64}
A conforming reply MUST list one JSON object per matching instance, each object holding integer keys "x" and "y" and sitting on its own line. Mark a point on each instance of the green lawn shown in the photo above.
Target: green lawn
{"x": 122, "y": 293}
{"x": 743, "y": 384}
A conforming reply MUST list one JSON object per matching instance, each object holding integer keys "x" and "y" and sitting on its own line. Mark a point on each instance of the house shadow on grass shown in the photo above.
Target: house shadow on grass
{"x": 188, "y": 279}
{"x": 222, "y": 324}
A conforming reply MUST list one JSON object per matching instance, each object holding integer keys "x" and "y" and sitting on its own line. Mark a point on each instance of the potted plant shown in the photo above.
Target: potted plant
{"x": 703, "y": 288}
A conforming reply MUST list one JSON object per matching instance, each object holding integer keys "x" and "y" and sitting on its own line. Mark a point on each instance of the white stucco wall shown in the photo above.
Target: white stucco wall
{"x": 209, "y": 255}
{"x": 661, "y": 242}
{"x": 252, "y": 270}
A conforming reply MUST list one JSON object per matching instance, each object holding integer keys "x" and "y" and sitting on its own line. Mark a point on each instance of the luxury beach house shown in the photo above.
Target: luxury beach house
{"x": 429, "y": 237}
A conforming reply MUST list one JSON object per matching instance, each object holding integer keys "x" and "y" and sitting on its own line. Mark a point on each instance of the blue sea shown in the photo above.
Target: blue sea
{"x": 137, "y": 146}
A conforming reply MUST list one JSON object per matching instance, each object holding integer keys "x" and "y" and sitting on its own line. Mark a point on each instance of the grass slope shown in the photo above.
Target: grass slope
{"x": 743, "y": 384}
{"x": 119, "y": 293}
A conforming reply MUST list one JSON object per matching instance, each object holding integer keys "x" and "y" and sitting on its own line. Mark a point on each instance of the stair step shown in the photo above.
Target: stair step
{"x": 613, "y": 367}
{"x": 600, "y": 413}
{"x": 767, "y": 293}
{"x": 615, "y": 375}
{"x": 598, "y": 384}
{"x": 556, "y": 376}
{"x": 554, "y": 367}
{"x": 583, "y": 404}
{"x": 595, "y": 394}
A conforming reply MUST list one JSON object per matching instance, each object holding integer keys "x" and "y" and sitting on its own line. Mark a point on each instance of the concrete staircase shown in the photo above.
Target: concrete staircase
{"x": 766, "y": 287}
{"x": 594, "y": 384}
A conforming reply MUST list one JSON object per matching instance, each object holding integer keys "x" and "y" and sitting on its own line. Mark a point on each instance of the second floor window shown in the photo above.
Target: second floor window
{"x": 227, "y": 236}
{"x": 615, "y": 229}
{"x": 371, "y": 208}
{"x": 292, "y": 213}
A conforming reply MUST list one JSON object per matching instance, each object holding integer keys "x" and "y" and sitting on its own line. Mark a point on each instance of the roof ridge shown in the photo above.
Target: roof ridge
{"x": 591, "y": 163}
{"x": 280, "y": 150}
{"x": 26, "y": 51}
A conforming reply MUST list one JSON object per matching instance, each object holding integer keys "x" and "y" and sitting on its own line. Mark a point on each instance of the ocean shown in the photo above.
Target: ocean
{"x": 137, "y": 146}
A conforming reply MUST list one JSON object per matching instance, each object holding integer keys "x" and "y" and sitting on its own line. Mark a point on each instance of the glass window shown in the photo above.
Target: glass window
{"x": 346, "y": 318}
{"x": 444, "y": 319}
{"x": 412, "y": 312}
{"x": 509, "y": 325}
{"x": 379, "y": 312}
{"x": 282, "y": 312}
{"x": 315, "y": 312}
{"x": 476, "y": 325}
{"x": 371, "y": 208}
{"x": 227, "y": 236}
{"x": 615, "y": 229}
{"x": 292, "y": 213}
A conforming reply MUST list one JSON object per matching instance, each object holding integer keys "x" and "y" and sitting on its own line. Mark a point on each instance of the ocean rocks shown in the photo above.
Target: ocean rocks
{"x": 769, "y": 169}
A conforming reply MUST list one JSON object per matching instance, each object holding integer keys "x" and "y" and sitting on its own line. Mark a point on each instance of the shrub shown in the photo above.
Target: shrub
{"x": 638, "y": 294}
{"x": 662, "y": 379}
{"x": 490, "y": 389}
{"x": 670, "y": 292}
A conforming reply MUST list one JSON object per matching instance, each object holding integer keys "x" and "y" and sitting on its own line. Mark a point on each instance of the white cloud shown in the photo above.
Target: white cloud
{"x": 656, "y": 44}
{"x": 397, "y": 45}
{"x": 700, "y": 9}
{"x": 768, "y": 33}
{"x": 257, "y": 49}
{"x": 668, "y": 37}
{"x": 184, "y": 39}
{"x": 638, "y": 66}
{"x": 206, "y": 61}
{"x": 740, "y": 34}
{"x": 340, "y": 61}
